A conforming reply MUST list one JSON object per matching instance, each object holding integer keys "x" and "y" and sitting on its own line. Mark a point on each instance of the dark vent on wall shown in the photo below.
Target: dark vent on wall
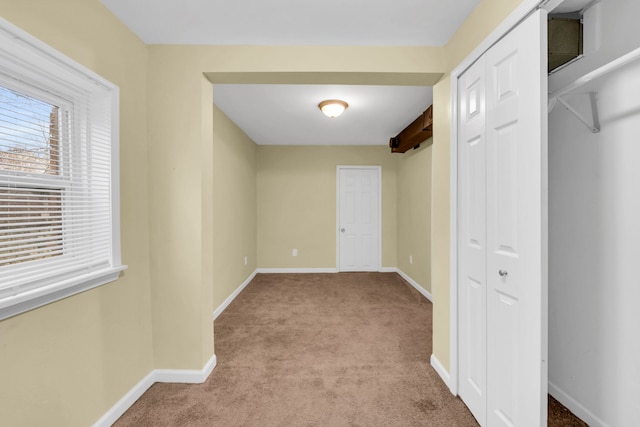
{"x": 565, "y": 41}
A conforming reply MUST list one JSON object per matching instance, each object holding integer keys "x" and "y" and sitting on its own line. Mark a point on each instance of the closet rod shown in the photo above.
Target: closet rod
{"x": 598, "y": 72}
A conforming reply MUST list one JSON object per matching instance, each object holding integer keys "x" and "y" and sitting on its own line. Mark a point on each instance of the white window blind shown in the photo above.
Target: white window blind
{"x": 31, "y": 135}
{"x": 59, "y": 222}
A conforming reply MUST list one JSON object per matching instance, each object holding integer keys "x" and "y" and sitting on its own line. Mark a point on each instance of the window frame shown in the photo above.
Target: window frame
{"x": 33, "y": 64}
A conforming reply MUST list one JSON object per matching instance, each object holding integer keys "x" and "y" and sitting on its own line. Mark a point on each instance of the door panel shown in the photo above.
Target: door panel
{"x": 516, "y": 141}
{"x": 506, "y": 189}
{"x": 359, "y": 219}
{"x": 472, "y": 292}
{"x": 475, "y": 364}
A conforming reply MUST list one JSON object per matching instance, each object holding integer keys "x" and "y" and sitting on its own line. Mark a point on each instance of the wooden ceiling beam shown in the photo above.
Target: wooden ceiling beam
{"x": 415, "y": 134}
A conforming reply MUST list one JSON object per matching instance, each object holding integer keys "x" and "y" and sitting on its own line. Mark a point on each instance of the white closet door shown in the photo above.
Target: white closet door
{"x": 517, "y": 226}
{"x": 472, "y": 288}
{"x": 502, "y": 230}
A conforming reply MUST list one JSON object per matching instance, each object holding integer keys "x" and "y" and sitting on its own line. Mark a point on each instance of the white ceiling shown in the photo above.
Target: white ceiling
{"x": 288, "y": 114}
{"x": 294, "y": 22}
{"x": 568, "y": 6}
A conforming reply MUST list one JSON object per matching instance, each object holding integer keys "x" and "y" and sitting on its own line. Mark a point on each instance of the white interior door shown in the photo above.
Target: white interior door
{"x": 359, "y": 218}
{"x": 515, "y": 229}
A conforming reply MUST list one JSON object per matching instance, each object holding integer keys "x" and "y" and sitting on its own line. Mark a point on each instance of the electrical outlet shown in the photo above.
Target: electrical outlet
{"x": 410, "y": 259}
{"x": 294, "y": 252}
{"x": 246, "y": 260}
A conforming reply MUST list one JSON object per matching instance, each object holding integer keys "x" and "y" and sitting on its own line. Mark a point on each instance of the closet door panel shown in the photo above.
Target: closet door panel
{"x": 516, "y": 283}
{"x": 473, "y": 246}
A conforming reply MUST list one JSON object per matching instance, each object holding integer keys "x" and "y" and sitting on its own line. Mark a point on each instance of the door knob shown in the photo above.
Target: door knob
{"x": 503, "y": 273}
{"x": 342, "y": 229}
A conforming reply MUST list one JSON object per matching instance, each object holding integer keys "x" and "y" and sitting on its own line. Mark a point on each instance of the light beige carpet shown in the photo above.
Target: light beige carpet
{"x": 348, "y": 349}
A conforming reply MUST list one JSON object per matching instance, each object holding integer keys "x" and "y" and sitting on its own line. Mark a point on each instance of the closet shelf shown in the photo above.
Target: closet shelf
{"x": 557, "y": 96}
{"x": 598, "y": 72}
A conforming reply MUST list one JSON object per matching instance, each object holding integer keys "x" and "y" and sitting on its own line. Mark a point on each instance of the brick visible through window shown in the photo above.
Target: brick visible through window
{"x": 30, "y": 217}
{"x": 29, "y": 134}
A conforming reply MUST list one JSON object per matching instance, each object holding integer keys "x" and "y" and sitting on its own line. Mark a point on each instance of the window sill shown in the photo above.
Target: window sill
{"x": 14, "y": 305}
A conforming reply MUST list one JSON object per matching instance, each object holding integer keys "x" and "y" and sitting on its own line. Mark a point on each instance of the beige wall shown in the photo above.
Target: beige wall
{"x": 234, "y": 206}
{"x": 206, "y": 303}
{"x": 67, "y": 363}
{"x": 297, "y": 203}
{"x": 482, "y": 21}
{"x": 485, "y": 18}
{"x": 181, "y": 213}
{"x": 414, "y": 214}
{"x": 181, "y": 217}
{"x": 440, "y": 219}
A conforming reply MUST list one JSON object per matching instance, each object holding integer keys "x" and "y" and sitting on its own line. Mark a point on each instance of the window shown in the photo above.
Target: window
{"x": 30, "y": 214}
{"x": 59, "y": 219}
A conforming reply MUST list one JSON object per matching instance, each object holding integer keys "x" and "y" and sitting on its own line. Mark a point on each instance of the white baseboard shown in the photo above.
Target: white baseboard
{"x": 297, "y": 270}
{"x": 574, "y": 406}
{"x": 218, "y": 311}
{"x": 415, "y": 284}
{"x": 155, "y": 376}
{"x": 388, "y": 270}
{"x": 116, "y": 411}
{"x": 435, "y": 364}
{"x": 188, "y": 376}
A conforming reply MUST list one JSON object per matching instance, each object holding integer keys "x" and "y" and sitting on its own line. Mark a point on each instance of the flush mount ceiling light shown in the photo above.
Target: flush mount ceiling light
{"x": 333, "y": 107}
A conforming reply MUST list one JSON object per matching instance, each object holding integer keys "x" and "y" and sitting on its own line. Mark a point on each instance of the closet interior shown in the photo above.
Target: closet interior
{"x": 594, "y": 220}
